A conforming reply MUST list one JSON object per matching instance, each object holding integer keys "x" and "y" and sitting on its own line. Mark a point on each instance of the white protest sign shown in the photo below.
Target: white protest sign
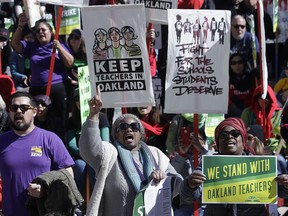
{"x": 117, "y": 54}
{"x": 197, "y": 62}
{"x": 75, "y": 3}
{"x": 156, "y": 11}
{"x": 33, "y": 12}
{"x": 157, "y": 198}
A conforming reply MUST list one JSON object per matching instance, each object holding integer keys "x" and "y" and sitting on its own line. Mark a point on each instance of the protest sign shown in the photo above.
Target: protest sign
{"x": 156, "y": 11}
{"x": 157, "y": 198}
{"x": 197, "y": 62}
{"x": 70, "y": 20}
{"x": 33, "y": 12}
{"x": 240, "y": 179}
{"x": 117, "y": 54}
{"x": 75, "y": 3}
{"x": 84, "y": 91}
{"x": 211, "y": 123}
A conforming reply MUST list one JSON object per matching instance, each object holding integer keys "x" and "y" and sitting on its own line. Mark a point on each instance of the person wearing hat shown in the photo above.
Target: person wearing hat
{"x": 45, "y": 117}
{"x": 231, "y": 139}
{"x": 76, "y": 43}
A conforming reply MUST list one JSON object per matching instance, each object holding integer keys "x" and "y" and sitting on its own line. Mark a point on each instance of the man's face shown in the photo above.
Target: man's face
{"x": 238, "y": 28}
{"x": 23, "y": 119}
{"x": 230, "y": 141}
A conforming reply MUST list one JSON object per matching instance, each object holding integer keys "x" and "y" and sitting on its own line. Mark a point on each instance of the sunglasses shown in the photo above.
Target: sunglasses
{"x": 23, "y": 107}
{"x": 241, "y": 26}
{"x": 236, "y": 62}
{"x": 225, "y": 134}
{"x": 135, "y": 126}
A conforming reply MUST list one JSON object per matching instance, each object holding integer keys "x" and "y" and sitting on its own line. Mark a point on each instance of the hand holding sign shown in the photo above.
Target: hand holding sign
{"x": 157, "y": 176}
{"x": 23, "y": 19}
{"x": 196, "y": 179}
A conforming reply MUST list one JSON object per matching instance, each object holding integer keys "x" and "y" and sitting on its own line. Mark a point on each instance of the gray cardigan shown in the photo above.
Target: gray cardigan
{"x": 113, "y": 192}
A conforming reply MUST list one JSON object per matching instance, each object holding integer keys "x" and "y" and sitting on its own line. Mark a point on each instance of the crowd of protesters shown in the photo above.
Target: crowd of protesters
{"x": 99, "y": 159}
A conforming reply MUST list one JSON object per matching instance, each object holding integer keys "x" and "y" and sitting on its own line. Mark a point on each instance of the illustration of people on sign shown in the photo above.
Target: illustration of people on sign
{"x": 196, "y": 31}
{"x": 128, "y": 33}
{"x": 100, "y": 45}
{"x": 178, "y": 28}
{"x": 205, "y": 27}
{"x": 116, "y": 50}
{"x": 213, "y": 28}
{"x": 187, "y": 26}
{"x": 221, "y": 30}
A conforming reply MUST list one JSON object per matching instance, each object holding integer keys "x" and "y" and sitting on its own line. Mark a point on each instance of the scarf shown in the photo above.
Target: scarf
{"x": 152, "y": 130}
{"x": 138, "y": 179}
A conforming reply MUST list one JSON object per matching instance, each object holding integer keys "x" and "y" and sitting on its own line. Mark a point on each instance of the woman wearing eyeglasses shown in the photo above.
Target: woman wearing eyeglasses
{"x": 231, "y": 139}
{"x": 123, "y": 168}
{"x": 39, "y": 52}
{"x": 241, "y": 85}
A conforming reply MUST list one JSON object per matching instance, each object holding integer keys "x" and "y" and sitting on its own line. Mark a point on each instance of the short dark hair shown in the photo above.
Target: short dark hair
{"x": 23, "y": 94}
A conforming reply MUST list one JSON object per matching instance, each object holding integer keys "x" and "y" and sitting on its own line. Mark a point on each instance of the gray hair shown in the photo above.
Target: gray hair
{"x": 115, "y": 126}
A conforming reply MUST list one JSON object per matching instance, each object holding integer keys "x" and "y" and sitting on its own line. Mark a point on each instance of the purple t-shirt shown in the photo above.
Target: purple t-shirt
{"x": 23, "y": 158}
{"x": 40, "y": 58}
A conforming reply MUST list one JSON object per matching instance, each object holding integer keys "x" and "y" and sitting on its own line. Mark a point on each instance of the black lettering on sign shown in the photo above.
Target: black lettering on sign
{"x": 118, "y": 65}
{"x": 131, "y": 85}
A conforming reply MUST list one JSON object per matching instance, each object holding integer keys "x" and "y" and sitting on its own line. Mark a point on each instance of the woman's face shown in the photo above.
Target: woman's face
{"x": 101, "y": 37}
{"x": 128, "y": 35}
{"x": 230, "y": 141}
{"x": 237, "y": 65}
{"x": 144, "y": 110}
{"x": 115, "y": 36}
{"x": 75, "y": 43}
{"x": 43, "y": 33}
{"x": 128, "y": 133}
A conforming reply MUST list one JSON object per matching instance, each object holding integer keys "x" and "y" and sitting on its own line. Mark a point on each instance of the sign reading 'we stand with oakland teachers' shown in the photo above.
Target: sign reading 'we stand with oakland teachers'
{"x": 239, "y": 179}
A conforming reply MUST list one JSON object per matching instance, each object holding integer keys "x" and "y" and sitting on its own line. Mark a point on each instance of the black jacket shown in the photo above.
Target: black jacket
{"x": 60, "y": 194}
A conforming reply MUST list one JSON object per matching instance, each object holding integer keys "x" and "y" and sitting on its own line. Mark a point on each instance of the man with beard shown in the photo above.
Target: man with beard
{"x": 25, "y": 153}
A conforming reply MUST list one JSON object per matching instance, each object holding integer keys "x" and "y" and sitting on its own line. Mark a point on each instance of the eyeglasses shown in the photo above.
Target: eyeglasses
{"x": 241, "y": 26}
{"x": 41, "y": 29}
{"x": 135, "y": 126}
{"x": 236, "y": 62}
{"x": 224, "y": 135}
{"x": 23, "y": 107}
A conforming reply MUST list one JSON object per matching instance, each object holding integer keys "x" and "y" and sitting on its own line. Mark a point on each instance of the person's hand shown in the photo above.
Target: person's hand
{"x": 95, "y": 104}
{"x": 34, "y": 190}
{"x": 157, "y": 176}
{"x": 283, "y": 180}
{"x": 23, "y": 20}
{"x": 196, "y": 178}
{"x": 183, "y": 149}
{"x": 56, "y": 44}
{"x": 25, "y": 81}
{"x": 151, "y": 34}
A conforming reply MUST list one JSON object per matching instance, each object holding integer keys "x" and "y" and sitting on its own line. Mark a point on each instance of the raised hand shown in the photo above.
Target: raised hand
{"x": 95, "y": 104}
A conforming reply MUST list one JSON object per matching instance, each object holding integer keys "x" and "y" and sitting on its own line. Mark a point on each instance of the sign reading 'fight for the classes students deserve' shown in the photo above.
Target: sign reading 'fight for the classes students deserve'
{"x": 239, "y": 179}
